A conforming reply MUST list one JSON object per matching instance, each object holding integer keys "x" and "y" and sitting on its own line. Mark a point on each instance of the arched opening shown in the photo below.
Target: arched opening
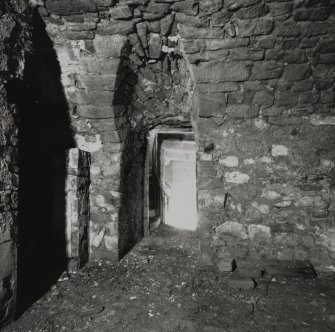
{"x": 155, "y": 99}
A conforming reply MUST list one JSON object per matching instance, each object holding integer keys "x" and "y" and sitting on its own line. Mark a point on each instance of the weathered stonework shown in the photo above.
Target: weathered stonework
{"x": 77, "y": 182}
{"x": 263, "y": 102}
{"x": 119, "y": 84}
{"x": 13, "y": 31}
{"x": 256, "y": 81}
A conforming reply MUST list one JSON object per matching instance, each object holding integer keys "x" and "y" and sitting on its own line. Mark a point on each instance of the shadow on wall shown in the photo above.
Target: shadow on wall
{"x": 132, "y": 134}
{"x": 44, "y": 136}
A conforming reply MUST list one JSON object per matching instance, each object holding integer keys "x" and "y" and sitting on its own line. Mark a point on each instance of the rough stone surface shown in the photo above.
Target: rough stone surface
{"x": 12, "y": 60}
{"x": 253, "y": 78}
{"x": 288, "y": 299}
{"x": 240, "y": 282}
{"x": 77, "y": 182}
{"x": 216, "y": 72}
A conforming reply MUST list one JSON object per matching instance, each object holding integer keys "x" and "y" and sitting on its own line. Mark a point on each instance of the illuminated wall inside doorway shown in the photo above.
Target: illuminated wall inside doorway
{"x": 178, "y": 178}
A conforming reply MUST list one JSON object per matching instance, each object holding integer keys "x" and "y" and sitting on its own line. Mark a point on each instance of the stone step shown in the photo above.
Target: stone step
{"x": 275, "y": 268}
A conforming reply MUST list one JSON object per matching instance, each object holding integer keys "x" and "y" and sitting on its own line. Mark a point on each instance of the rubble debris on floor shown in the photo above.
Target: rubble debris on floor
{"x": 161, "y": 286}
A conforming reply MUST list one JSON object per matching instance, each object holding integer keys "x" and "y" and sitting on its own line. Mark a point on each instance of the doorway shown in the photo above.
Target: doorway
{"x": 172, "y": 180}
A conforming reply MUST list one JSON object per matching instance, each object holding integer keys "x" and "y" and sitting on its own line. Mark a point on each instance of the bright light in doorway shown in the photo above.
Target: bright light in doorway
{"x": 181, "y": 208}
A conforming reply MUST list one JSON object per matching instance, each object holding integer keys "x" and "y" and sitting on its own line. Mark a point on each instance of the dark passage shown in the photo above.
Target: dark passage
{"x": 44, "y": 136}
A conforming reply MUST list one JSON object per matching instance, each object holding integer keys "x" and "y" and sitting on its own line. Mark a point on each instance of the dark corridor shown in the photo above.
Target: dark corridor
{"x": 44, "y": 136}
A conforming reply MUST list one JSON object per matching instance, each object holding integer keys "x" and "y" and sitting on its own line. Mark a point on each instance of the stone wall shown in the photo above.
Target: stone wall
{"x": 119, "y": 84}
{"x": 265, "y": 77}
{"x": 77, "y": 182}
{"x": 13, "y": 33}
{"x": 263, "y": 113}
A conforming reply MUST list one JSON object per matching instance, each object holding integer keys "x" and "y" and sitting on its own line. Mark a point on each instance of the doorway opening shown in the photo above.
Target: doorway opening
{"x": 172, "y": 178}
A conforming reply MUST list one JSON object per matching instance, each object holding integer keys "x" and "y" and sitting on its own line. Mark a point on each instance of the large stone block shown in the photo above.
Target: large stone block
{"x": 97, "y": 65}
{"x": 235, "y": 4}
{"x": 7, "y": 259}
{"x": 305, "y": 85}
{"x": 256, "y": 27}
{"x": 266, "y": 70}
{"x": 78, "y": 35}
{"x": 188, "y": 7}
{"x": 99, "y": 112}
{"x": 212, "y": 105}
{"x": 191, "y": 47}
{"x": 108, "y": 124}
{"x": 225, "y": 264}
{"x": 153, "y": 16}
{"x": 111, "y": 242}
{"x": 155, "y": 45}
{"x": 316, "y": 29}
{"x": 290, "y": 56}
{"x": 312, "y": 14}
{"x": 286, "y": 98}
{"x": 246, "y": 54}
{"x": 326, "y": 46}
{"x": 278, "y": 9}
{"x": 289, "y": 43}
{"x": 297, "y": 72}
{"x": 324, "y": 71}
{"x": 166, "y": 23}
{"x": 259, "y": 233}
{"x": 195, "y": 21}
{"x": 255, "y": 11}
{"x": 154, "y": 26}
{"x": 216, "y": 44}
{"x": 206, "y": 56}
{"x": 242, "y": 111}
{"x": 156, "y": 7}
{"x": 263, "y": 98}
{"x": 65, "y": 7}
{"x": 217, "y": 72}
{"x": 232, "y": 228}
{"x": 327, "y": 58}
{"x": 265, "y": 42}
{"x": 85, "y": 26}
{"x": 311, "y": 3}
{"x": 309, "y": 98}
{"x": 142, "y": 30}
{"x": 6, "y": 224}
{"x": 217, "y": 87}
{"x": 229, "y": 161}
{"x": 288, "y": 29}
{"x": 98, "y": 98}
{"x": 241, "y": 282}
{"x": 190, "y": 32}
{"x": 220, "y": 18}
{"x": 115, "y": 136}
{"x": 99, "y": 82}
{"x": 210, "y": 6}
{"x": 116, "y": 28}
{"x": 206, "y": 169}
{"x": 121, "y": 12}
{"x": 110, "y": 46}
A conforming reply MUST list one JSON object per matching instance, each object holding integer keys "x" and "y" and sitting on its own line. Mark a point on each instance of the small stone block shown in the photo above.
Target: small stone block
{"x": 240, "y": 282}
{"x": 225, "y": 265}
{"x": 72, "y": 265}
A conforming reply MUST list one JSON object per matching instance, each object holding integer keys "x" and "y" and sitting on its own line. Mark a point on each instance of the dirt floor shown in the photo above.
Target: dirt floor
{"x": 160, "y": 286}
